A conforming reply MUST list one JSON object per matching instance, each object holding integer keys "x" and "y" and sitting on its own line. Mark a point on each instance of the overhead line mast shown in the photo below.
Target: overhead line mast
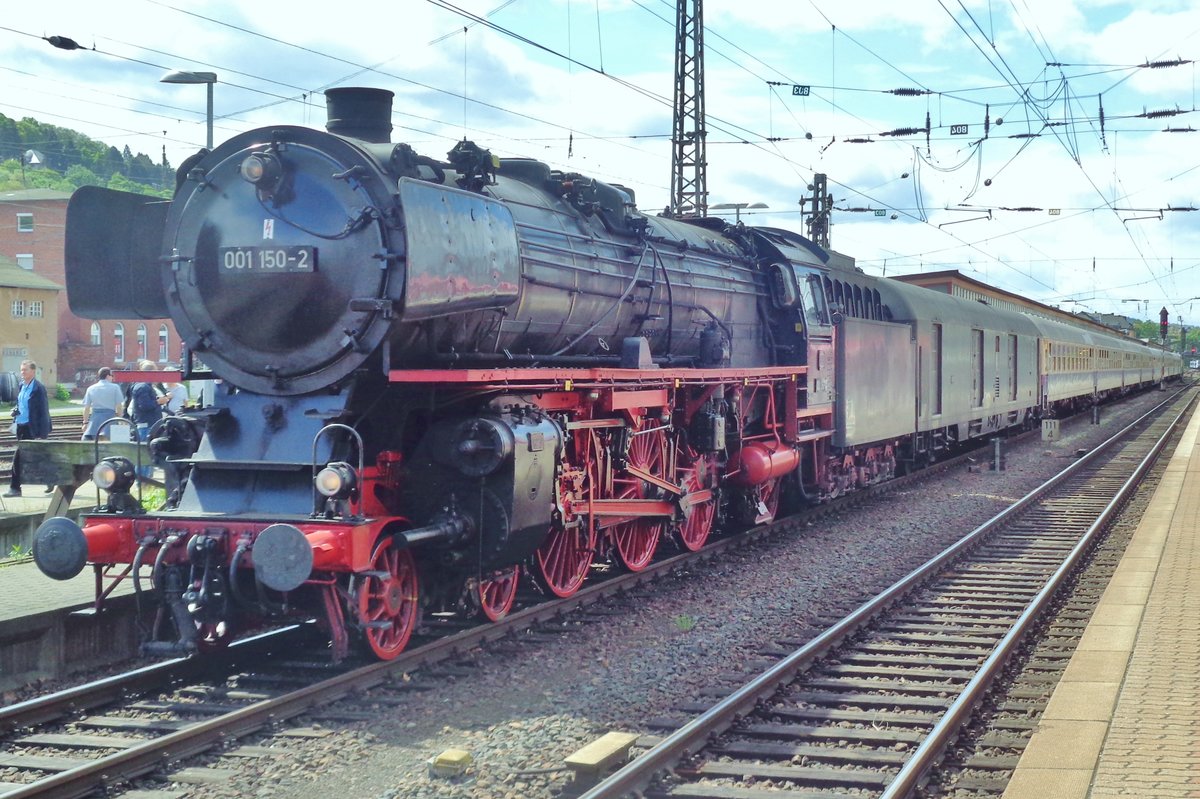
{"x": 689, "y": 165}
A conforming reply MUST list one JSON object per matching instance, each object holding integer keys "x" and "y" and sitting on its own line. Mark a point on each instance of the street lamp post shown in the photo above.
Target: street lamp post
{"x": 207, "y": 78}
{"x": 737, "y": 208}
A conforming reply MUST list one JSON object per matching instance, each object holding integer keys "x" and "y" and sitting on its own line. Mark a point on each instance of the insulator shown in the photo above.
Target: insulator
{"x": 909, "y": 92}
{"x": 1170, "y": 112}
{"x": 1174, "y": 62}
{"x": 903, "y": 132}
{"x": 858, "y": 141}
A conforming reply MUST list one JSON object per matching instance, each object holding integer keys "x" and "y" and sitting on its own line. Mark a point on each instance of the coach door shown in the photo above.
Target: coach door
{"x": 977, "y": 363}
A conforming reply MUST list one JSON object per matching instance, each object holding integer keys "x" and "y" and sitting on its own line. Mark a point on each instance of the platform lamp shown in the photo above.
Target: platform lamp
{"x": 207, "y": 78}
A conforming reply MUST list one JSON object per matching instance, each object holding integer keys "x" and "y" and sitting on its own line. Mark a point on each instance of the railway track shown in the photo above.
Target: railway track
{"x": 69, "y": 743}
{"x": 153, "y": 719}
{"x": 872, "y": 704}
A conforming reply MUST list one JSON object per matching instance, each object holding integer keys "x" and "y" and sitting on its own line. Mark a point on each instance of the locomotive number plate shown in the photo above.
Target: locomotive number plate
{"x": 267, "y": 260}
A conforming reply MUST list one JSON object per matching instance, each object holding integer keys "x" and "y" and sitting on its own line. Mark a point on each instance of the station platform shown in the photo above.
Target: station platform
{"x": 24, "y": 590}
{"x": 1124, "y": 721}
{"x": 47, "y": 627}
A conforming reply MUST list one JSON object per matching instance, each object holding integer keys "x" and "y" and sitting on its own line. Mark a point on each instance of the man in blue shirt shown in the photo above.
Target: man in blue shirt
{"x": 32, "y": 415}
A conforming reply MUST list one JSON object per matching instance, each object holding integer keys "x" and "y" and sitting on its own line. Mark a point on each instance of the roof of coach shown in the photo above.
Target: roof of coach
{"x": 952, "y": 281}
{"x": 909, "y": 303}
{"x": 1073, "y": 334}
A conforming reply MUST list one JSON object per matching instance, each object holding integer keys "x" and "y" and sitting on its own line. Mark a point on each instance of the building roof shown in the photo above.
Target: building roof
{"x": 13, "y": 276}
{"x": 31, "y": 195}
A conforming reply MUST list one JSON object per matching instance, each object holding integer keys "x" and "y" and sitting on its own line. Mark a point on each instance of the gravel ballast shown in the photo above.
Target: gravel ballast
{"x": 520, "y": 707}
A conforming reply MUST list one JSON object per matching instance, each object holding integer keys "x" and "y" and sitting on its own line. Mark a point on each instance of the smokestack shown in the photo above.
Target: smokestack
{"x": 360, "y": 113}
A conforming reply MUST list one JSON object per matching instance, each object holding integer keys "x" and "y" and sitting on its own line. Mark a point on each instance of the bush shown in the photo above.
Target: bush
{"x": 61, "y": 393}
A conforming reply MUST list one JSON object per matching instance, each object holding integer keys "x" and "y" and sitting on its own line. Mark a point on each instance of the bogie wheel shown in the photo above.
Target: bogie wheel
{"x": 697, "y": 524}
{"x": 496, "y": 593}
{"x": 637, "y": 539}
{"x": 387, "y": 598}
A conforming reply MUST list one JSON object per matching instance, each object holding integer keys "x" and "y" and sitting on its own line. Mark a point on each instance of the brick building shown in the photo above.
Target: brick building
{"x": 32, "y": 232}
{"x": 28, "y": 320}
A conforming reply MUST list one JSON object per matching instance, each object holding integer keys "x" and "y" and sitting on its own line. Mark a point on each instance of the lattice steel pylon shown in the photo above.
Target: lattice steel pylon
{"x": 689, "y": 166}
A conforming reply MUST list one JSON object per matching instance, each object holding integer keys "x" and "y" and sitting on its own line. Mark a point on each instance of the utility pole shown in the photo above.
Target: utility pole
{"x": 689, "y": 167}
{"x": 818, "y": 218}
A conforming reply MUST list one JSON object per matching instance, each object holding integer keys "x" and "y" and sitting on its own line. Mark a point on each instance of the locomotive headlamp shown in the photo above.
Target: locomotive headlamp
{"x": 114, "y": 475}
{"x": 337, "y": 480}
{"x": 263, "y": 170}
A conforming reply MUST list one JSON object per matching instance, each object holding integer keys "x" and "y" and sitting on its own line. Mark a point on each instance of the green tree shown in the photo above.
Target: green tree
{"x": 10, "y": 139}
{"x": 112, "y": 163}
{"x": 82, "y": 176}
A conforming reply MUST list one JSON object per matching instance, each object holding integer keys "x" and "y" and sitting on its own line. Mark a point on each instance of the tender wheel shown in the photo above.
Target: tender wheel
{"x": 697, "y": 523}
{"x": 637, "y": 539}
{"x": 496, "y": 594}
{"x": 387, "y": 599}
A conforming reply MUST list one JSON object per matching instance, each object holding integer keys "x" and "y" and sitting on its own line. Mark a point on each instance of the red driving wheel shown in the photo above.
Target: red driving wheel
{"x": 698, "y": 474}
{"x": 564, "y": 558}
{"x": 637, "y": 539}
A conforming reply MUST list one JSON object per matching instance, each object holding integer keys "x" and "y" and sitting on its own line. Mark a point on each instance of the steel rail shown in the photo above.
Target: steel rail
{"x": 154, "y": 753}
{"x": 198, "y": 737}
{"x": 48, "y": 707}
{"x": 691, "y": 737}
{"x": 930, "y": 750}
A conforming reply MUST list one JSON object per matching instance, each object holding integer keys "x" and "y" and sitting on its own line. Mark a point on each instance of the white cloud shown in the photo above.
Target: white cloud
{"x": 528, "y": 102}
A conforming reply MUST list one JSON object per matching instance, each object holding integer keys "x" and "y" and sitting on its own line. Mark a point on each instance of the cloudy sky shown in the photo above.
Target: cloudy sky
{"x": 1065, "y": 110}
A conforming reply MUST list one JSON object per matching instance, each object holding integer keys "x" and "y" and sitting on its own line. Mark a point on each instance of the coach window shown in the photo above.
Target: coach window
{"x": 24, "y": 223}
{"x": 119, "y": 343}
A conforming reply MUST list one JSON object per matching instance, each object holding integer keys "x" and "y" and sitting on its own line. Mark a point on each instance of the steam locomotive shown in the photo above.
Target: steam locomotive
{"x": 435, "y": 377}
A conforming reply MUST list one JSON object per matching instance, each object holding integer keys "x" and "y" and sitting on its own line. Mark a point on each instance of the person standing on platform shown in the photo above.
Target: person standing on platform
{"x": 176, "y": 397}
{"x": 144, "y": 409}
{"x": 31, "y": 416}
{"x": 102, "y": 401}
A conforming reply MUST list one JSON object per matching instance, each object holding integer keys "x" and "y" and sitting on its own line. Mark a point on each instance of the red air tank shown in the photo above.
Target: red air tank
{"x": 760, "y": 461}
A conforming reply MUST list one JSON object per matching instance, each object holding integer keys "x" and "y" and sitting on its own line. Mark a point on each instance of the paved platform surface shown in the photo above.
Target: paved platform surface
{"x": 1125, "y": 719}
{"x": 25, "y": 591}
